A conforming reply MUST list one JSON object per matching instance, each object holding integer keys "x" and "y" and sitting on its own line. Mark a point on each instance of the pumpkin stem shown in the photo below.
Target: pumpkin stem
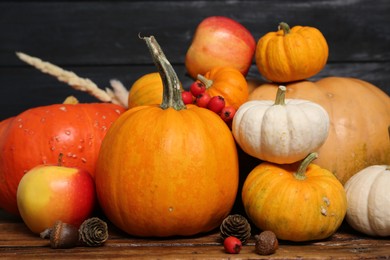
{"x": 285, "y": 27}
{"x": 59, "y": 163}
{"x": 171, "y": 83}
{"x": 300, "y": 174}
{"x": 207, "y": 82}
{"x": 280, "y": 96}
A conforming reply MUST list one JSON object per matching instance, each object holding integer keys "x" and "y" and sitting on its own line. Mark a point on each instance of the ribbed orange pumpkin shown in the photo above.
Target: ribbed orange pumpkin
{"x": 359, "y": 116}
{"x": 170, "y": 169}
{"x": 291, "y": 54}
{"x": 38, "y": 135}
{"x": 296, "y": 203}
{"x": 146, "y": 90}
{"x": 227, "y": 82}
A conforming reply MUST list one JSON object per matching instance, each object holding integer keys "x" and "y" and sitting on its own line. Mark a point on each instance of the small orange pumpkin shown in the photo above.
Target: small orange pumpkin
{"x": 227, "y": 82}
{"x": 359, "y": 116}
{"x": 291, "y": 54}
{"x": 170, "y": 169}
{"x": 146, "y": 90}
{"x": 297, "y": 205}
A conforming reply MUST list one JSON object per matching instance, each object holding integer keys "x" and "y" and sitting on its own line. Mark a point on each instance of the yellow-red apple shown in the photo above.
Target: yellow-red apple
{"x": 220, "y": 41}
{"x": 48, "y": 193}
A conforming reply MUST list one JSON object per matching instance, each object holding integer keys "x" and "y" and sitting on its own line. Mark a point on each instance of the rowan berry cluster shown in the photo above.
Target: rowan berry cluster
{"x": 198, "y": 95}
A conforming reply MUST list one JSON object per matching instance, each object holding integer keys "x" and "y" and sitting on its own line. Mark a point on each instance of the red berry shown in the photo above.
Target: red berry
{"x": 202, "y": 100}
{"x": 197, "y": 88}
{"x": 187, "y": 97}
{"x": 232, "y": 245}
{"x": 227, "y": 113}
{"x": 216, "y": 104}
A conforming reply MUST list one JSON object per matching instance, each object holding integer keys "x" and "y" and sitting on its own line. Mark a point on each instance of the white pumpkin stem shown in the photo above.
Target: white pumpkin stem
{"x": 280, "y": 96}
{"x": 300, "y": 174}
{"x": 207, "y": 82}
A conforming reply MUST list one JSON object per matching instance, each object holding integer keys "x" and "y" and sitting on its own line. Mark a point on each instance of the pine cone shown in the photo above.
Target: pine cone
{"x": 93, "y": 232}
{"x": 237, "y": 226}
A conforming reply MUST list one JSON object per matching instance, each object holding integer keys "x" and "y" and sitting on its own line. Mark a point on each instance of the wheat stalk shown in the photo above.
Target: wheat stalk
{"x": 118, "y": 96}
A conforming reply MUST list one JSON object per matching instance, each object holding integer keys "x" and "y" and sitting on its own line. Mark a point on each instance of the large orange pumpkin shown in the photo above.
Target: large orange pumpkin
{"x": 170, "y": 169}
{"x": 38, "y": 135}
{"x": 291, "y": 54}
{"x": 359, "y": 116}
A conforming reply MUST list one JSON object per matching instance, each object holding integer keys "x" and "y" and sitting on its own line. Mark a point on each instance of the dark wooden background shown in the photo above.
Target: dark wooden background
{"x": 99, "y": 40}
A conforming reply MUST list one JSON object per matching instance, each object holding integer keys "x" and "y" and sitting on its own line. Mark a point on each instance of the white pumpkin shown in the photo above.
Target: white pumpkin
{"x": 368, "y": 200}
{"x": 283, "y": 131}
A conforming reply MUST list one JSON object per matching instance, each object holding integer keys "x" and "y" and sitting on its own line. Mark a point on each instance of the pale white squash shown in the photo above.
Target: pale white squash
{"x": 280, "y": 131}
{"x": 368, "y": 200}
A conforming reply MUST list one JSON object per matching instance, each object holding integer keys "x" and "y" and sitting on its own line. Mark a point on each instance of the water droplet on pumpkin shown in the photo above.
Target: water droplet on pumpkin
{"x": 43, "y": 120}
{"x": 20, "y": 125}
{"x": 118, "y": 111}
{"x": 83, "y": 160}
{"x": 63, "y": 108}
{"x": 326, "y": 200}
{"x": 67, "y": 132}
{"x": 103, "y": 117}
{"x": 52, "y": 148}
{"x": 170, "y": 209}
{"x": 324, "y": 211}
{"x": 71, "y": 155}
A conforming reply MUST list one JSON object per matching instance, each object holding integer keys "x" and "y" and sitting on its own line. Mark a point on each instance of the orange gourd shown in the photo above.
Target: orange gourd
{"x": 146, "y": 90}
{"x": 170, "y": 169}
{"x": 359, "y": 116}
{"x": 227, "y": 82}
{"x": 291, "y": 54}
{"x": 296, "y": 203}
{"x": 38, "y": 135}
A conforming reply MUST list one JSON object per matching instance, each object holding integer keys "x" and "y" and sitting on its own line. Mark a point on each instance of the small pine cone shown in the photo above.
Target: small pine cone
{"x": 93, "y": 232}
{"x": 237, "y": 226}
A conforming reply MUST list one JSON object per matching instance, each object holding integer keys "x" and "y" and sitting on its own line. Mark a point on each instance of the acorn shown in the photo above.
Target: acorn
{"x": 266, "y": 243}
{"x": 61, "y": 235}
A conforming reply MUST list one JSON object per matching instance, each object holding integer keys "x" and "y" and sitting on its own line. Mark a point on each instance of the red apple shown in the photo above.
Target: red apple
{"x": 220, "y": 41}
{"x": 47, "y": 193}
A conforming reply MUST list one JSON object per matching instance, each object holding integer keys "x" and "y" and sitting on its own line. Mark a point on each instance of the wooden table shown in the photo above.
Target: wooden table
{"x": 17, "y": 242}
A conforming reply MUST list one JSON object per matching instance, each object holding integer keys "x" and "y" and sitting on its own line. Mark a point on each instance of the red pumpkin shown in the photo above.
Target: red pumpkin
{"x": 39, "y": 135}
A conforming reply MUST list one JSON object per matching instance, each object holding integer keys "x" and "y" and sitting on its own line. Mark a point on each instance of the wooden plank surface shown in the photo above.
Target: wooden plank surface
{"x": 17, "y": 242}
